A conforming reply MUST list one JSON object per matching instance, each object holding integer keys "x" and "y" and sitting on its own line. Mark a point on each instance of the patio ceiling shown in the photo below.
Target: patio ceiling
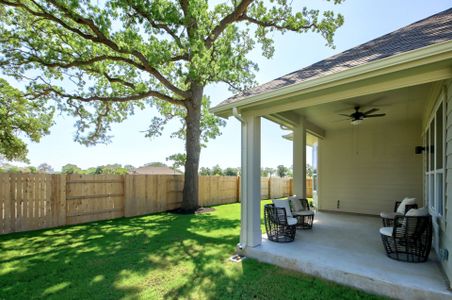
{"x": 399, "y": 105}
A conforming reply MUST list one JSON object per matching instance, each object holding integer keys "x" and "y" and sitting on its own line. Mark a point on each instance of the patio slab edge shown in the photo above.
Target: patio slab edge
{"x": 365, "y": 283}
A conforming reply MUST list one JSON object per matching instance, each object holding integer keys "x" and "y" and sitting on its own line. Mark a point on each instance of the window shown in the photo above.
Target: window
{"x": 434, "y": 161}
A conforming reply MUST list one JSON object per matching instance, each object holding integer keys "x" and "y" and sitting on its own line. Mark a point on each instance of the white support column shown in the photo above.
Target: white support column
{"x": 250, "y": 229}
{"x": 299, "y": 159}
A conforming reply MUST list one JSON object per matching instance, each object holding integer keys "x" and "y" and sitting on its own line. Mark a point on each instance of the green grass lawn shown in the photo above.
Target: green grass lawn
{"x": 161, "y": 256}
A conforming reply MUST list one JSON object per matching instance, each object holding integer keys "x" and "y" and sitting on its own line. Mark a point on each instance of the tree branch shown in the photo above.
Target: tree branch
{"x": 102, "y": 38}
{"x": 87, "y": 62}
{"x": 273, "y": 24}
{"x": 154, "y": 24}
{"x": 99, "y": 37}
{"x": 119, "y": 80}
{"x": 134, "y": 97}
{"x": 229, "y": 19}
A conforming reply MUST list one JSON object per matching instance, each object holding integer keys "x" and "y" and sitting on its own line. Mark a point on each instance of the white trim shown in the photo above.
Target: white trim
{"x": 431, "y": 127}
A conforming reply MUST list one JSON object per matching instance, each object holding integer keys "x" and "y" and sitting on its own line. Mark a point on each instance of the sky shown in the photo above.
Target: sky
{"x": 364, "y": 21}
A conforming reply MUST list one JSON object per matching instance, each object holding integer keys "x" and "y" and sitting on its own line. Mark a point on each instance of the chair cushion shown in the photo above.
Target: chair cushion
{"x": 420, "y": 212}
{"x": 296, "y": 203}
{"x": 291, "y": 221}
{"x": 389, "y": 215}
{"x": 283, "y": 204}
{"x": 386, "y": 231}
{"x": 406, "y": 201}
{"x": 303, "y": 213}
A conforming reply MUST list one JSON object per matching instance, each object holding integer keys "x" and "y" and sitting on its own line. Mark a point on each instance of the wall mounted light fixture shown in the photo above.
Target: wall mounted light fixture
{"x": 419, "y": 149}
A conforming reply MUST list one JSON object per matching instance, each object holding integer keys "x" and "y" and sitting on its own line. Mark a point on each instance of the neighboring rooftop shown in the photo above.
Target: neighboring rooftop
{"x": 151, "y": 170}
{"x": 432, "y": 30}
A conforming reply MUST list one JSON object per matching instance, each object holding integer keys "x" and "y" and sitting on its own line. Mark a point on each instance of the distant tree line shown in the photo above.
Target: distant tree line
{"x": 111, "y": 169}
{"x": 118, "y": 169}
{"x": 279, "y": 171}
{"x": 218, "y": 171}
{"x": 42, "y": 168}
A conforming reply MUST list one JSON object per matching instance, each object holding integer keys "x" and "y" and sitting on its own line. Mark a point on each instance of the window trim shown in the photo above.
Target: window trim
{"x": 433, "y": 171}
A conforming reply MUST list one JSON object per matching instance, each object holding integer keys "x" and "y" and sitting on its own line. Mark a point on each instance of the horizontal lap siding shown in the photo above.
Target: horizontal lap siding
{"x": 369, "y": 167}
{"x": 446, "y": 234}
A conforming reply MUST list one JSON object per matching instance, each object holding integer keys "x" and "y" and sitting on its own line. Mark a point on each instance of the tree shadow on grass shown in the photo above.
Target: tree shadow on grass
{"x": 161, "y": 256}
{"x": 110, "y": 259}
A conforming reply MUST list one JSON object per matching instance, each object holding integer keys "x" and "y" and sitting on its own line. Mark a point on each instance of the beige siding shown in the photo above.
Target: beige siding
{"x": 368, "y": 167}
{"x": 446, "y": 232}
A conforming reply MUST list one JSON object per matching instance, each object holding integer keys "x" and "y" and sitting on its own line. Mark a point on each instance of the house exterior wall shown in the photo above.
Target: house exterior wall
{"x": 445, "y": 240}
{"x": 369, "y": 167}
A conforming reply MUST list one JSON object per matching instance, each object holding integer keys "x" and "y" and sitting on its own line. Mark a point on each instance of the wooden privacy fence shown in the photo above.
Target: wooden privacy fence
{"x": 36, "y": 201}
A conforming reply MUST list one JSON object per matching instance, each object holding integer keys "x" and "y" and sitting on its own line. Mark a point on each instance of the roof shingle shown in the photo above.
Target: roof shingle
{"x": 432, "y": 30}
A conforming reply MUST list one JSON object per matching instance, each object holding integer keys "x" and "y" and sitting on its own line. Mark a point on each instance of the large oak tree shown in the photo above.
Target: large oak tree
{"x": 102, "y": 60}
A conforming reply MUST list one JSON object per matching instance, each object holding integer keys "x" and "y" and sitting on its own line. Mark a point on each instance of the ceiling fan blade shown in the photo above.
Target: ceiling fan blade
{"x": 345, "y": 115}
{"x": 372, "y": 110}
{"x": 377, "y": 115}
{"x": 341, "y": 120}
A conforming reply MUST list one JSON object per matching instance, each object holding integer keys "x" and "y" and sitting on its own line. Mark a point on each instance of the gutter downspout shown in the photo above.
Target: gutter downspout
{"x": 236, "y": 114}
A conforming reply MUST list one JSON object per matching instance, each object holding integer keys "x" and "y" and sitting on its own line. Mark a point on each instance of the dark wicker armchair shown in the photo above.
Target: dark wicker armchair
{"x": 410, "y": 239}
{"x": 279, "y": 228}
{"x": 388, "y": 218}
{"x": 302, "y": 211}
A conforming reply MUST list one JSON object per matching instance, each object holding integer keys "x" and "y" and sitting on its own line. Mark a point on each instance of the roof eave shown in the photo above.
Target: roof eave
{"x": 357, "y": 73}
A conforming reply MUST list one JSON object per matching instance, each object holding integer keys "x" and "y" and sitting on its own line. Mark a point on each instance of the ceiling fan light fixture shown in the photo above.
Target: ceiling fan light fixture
{"x": 356, "y": 122}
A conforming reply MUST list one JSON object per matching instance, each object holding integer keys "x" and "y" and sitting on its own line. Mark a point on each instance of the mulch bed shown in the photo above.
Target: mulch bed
{"x": 203, "y": 210}
{"x": 200, "y": 210}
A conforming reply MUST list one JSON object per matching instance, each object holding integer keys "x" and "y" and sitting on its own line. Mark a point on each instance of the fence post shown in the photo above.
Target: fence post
{"x": 269, "y": 183}
{"x": 237, "y": 188}
{"x": 291, "y": 187}
{"x": 5, "y": 194}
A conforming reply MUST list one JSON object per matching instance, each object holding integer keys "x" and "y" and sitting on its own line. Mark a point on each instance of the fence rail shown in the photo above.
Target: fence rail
{"x": 36, "y": 201}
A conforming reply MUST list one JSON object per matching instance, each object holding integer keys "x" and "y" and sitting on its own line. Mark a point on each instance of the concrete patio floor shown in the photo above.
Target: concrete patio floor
{"x": 347, "y": 249}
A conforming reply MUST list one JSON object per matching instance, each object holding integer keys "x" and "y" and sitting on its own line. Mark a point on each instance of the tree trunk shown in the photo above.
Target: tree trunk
{"x": 193, "y": 149}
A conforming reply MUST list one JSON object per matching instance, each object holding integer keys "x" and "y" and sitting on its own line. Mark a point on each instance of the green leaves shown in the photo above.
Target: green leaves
{"x": 100, "y": 61}
{"x": 21, "y": 118}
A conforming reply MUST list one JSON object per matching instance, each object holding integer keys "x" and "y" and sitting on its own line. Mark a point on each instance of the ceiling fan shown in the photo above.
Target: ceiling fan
{"x": 357, "y": 116}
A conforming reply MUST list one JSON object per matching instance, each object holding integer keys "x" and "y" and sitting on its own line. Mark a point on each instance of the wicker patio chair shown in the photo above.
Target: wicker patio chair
{"x": 409, "y": 240}
{"x": 302, "y": 211}
{"x": 279, "y": 227}
{"x": 387, "y": 218}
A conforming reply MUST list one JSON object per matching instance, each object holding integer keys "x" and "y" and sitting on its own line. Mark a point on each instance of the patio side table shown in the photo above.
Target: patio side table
{"x": 305, "y": 219}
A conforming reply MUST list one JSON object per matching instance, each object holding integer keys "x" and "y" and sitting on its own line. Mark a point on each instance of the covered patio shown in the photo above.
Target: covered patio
{"x": 346, "y": 248}
{"x": 364, "y": 164}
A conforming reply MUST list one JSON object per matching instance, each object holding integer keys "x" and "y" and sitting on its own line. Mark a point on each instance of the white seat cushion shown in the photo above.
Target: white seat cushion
{"x": 389, "y": 215}
{"x": 296, "y": 203}
{"x": 291, "y": 221}
{"x": 386, "y": 231}
{"x": 420, "y": 212}
{"x": 406, "y": 201}
{"x": 283, "y": 204}
{"x": 304, "y": 213}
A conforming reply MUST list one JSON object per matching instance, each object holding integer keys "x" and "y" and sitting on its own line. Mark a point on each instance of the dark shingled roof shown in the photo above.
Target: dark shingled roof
{"x": 432, "y": 30}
